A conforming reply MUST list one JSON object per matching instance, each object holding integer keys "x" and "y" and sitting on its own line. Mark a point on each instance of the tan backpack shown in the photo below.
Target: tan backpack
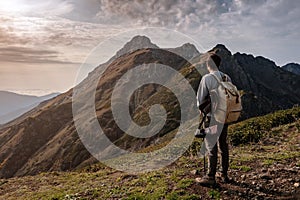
{"x": 226, "y": 102}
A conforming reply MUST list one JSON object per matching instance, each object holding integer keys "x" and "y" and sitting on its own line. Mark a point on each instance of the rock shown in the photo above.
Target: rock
{"x": 279, "y": 165}
{"x": 195, "y": 172}
{"x": 283, "y": 181}
{"x": 293, "y": 170}
{"x": 254, "y": 177}
{"x": 292, "y": 67}
{"x": 264, "y": 170}
{"x": 265, "y": 176}
{"x": 296, "y": 185}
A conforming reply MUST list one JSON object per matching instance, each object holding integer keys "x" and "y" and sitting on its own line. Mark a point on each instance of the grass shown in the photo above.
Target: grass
{"x": 214, "y": 194}
{"x": 244, "y": 168}
{"x": 255, "y": 129}
{"x": 268, "y": 162}
{"x": 185, "y": 183}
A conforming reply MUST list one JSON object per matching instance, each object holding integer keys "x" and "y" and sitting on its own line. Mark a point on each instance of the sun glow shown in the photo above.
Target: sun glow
{"x": 13, "y": 6}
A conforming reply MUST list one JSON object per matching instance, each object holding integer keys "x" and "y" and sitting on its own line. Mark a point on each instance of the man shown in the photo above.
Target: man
{"x": 208, "y": 83}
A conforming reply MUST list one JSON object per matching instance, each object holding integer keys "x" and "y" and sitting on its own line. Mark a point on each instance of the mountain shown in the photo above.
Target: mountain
{"x": 137, "y": 42}
{"x": 292, "y": 67}
{"x": 187, "y": 51}
{"x": 45, "y": 138}
{"x": 13, "y": 105}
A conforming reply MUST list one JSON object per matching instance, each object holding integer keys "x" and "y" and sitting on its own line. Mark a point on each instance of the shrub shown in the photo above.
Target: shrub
{"x": 254, "y": 129}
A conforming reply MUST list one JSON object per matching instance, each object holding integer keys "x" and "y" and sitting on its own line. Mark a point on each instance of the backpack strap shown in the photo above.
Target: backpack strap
{"x": 223, "y": 77}
{"x": 216, "y": 78}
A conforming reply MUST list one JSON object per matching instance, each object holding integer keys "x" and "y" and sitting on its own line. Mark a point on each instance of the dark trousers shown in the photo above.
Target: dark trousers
{"x": 213, "y": 152}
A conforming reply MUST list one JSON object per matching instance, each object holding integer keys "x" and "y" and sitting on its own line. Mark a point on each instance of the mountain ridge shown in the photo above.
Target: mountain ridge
{"x": 13, "y": 104}
{"x": 292, "y": 67}
{"x": 45, "y": 138}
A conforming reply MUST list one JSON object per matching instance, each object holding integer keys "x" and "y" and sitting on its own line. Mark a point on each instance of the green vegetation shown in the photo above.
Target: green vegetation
{"x": 254, "y": 129}
{"x": 242, "y": 167}
{"x": 214, "y": 194}
{"x": 268, "y": 162}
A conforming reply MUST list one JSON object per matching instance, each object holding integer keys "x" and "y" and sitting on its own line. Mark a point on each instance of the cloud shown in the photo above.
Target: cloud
{"x": 254, "y": 26}
{"x": 36, "y": 7}
{"x": 27, "y": 55}
{"x": 268, "y": 28}
{"x": 71, "y": 40}
{"x": 153, "y": 12}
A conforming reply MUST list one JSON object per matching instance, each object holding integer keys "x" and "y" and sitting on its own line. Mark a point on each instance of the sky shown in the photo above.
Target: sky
{"x": 44, "y": 42}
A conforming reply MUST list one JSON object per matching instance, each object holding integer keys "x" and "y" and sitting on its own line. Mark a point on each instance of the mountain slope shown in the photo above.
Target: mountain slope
{"x": 45, "y": 138}
{"x": 56, "y": 145}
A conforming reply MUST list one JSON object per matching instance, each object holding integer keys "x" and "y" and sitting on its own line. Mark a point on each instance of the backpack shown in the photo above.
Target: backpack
{"x": 226, "y": 103}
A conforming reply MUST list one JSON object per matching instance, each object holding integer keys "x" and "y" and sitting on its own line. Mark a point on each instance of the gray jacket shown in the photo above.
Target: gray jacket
{"x": 207, "y": 83}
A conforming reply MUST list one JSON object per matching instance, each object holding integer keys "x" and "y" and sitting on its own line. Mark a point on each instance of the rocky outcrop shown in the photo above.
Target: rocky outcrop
{"x": 292, "y": 67}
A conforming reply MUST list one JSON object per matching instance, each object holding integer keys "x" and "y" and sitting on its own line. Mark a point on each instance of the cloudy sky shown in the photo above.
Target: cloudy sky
{"x": 43, "y": 42}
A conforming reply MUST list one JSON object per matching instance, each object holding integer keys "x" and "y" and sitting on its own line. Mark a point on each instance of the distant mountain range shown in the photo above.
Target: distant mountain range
{"x": 13, "y": 105}
{"x": 292, "y": 67}
{"x": 45, "y": 138}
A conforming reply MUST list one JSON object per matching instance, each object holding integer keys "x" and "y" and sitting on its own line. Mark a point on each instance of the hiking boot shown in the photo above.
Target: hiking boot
{"x": 223, "y": 177}
{"x": 206, "y": 181}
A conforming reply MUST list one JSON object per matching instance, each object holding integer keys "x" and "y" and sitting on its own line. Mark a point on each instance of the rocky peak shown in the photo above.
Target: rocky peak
{"x": 137, "y": 42}
{"x": 187, "y": 50}
{"x": 292, "y": 67}
{"x": 221, "y": 50}
{"x": 189, "y": 47}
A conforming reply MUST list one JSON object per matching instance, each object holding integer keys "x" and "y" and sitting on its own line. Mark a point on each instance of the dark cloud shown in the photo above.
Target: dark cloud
{"x": 153, "y": 12}
{"x": 27, "y": 55}
{"x": 261, "y": 27}
{"x": 84, "y": 10}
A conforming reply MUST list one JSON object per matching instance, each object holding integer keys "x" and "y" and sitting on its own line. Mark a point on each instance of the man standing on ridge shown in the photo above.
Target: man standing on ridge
{"x": 208, "y": 83}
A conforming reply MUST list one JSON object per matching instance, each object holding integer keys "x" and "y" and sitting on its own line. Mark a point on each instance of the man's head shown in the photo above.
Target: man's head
{"x": 213, "y": 62}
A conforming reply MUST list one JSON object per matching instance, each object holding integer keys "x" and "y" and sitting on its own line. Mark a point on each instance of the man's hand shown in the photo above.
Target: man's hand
{"x": 201, "y": 133}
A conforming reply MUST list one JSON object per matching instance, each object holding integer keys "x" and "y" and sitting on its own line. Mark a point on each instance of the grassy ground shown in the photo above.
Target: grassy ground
{"x": 268, "y": 169}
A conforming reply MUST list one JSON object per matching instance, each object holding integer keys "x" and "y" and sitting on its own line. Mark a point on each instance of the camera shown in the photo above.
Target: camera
{"x": 200, "y": 133}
